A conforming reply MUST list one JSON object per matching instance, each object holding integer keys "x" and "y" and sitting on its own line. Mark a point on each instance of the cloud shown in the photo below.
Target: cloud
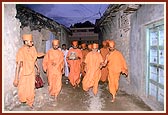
{"x": 68, "y": 14}
{"x": 41, "y": 8}
{"x": 67, "y": 21}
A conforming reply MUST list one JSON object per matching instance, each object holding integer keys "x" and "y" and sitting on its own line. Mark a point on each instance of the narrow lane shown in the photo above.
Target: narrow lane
{"x": 78, "y": 100}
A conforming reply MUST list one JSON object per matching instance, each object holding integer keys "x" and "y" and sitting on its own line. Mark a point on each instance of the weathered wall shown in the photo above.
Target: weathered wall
{"x": 138, "y": 58}
{"x": 64, "y": 38}
{"x": 131, "y": 41}
{"x": 11, "y": 43}
{"x": 49, "y": 42}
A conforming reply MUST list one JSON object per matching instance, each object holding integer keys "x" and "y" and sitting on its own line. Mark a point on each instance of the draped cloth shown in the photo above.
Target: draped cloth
{"x": 104, "y": 70}
{"x": 53, "y": 64}
{"x": 116, "y": 65}
{"x": 26, "y": 85}
{"x": 93, "y": 72}
{"x": 66, "y": 68}
{"x": 75, "y": 66}
{"x": 84, "y": 53}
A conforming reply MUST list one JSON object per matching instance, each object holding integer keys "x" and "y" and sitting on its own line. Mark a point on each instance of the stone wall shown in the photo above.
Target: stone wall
{"x": 147, "y": 14}
{"x": 122, "y": 39}
{"x": 11, "y": 42}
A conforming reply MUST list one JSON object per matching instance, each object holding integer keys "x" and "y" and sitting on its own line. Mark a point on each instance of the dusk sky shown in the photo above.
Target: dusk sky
{"x": 68, "y": 14}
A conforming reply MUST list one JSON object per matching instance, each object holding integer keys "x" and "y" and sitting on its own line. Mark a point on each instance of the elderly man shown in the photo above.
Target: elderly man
{"x": 53, "y": 64}
{"x": 93, "y": 67}
{"x": 74, "y": 59}
{"x": 116, "y": 64}
{"x": 25, "y": 70}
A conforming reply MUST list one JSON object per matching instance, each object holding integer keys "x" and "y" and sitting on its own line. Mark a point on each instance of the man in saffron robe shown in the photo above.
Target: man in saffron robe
{"x": 104, "y": 71}
{"x": 116, "y": 64}
{"x": 53, "y": 64}
{"x": 74, "y": 59}
{"x": 93, "y": 67}
{"x": 26, "y": 60}
{"x": 85, "y": 51}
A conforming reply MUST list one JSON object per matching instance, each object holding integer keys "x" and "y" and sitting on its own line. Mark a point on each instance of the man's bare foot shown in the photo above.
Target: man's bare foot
{"x": 74, "y": 87}
{"x": 55, "y": 98}
{"x": 31, "y": 107}
{"x": 112, "y": 100}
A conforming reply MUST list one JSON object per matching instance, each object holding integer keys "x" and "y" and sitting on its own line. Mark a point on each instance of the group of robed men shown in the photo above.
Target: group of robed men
{"x": 91, "y": 64}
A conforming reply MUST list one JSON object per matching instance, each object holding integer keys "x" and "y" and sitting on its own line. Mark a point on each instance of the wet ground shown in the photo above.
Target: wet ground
{"x": 76, "y": 100}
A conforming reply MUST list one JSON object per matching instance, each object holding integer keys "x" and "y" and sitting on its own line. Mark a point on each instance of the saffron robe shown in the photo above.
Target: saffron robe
{"x": 26, "y": 85}
{"x": 116, "y": 65}
{"x": 75, "y": 66}
{"x": 53, "y": 64}
{"x": 93, "y": 72}
{"x": 84, "y": 53}
{"x": 104, "y": 70}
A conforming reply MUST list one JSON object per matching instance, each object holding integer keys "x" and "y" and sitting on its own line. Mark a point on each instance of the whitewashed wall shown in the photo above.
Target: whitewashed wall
{"x": 11, "y": 42}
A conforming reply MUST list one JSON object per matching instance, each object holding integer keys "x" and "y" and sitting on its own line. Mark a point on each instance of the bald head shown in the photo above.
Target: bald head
{"x": 111, "y": 45}
{"x": 55, "y": 44}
